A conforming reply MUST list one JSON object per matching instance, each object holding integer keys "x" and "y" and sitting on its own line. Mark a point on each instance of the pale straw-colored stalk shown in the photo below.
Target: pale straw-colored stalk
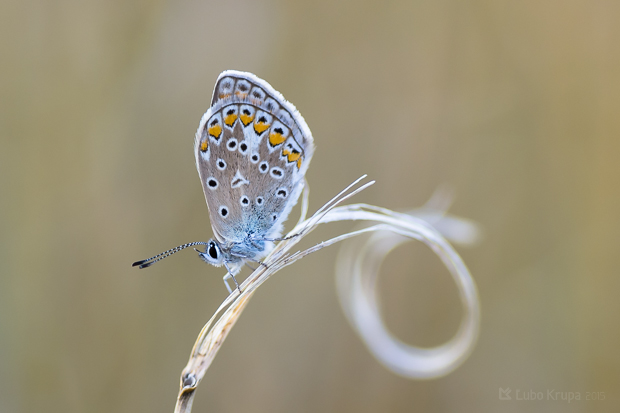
{"x": 357, "y": 270}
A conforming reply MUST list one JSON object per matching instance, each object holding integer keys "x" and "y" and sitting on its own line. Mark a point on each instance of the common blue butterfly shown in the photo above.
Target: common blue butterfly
{"x": 252, "y": 151}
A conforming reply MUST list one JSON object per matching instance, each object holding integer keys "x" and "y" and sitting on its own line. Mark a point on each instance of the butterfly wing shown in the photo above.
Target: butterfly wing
{"x": 252, "y": 152}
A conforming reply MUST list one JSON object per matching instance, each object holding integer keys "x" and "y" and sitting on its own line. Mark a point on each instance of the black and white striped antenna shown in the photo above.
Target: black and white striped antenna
{"x": 148, "y": 262}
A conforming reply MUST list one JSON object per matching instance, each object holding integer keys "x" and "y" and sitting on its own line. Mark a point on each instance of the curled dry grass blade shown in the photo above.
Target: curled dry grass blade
{"x": 217, "y": 328}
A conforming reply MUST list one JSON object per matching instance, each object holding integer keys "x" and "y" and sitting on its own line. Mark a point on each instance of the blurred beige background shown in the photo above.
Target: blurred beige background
{"x": 513, "y": 104}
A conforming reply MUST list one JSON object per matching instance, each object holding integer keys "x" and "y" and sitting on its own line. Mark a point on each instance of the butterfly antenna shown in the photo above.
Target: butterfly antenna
{"x": 148, "y": 262}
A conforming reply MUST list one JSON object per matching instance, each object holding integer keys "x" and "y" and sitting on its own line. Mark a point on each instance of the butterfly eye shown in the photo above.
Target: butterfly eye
{"x": 213, "y": 252}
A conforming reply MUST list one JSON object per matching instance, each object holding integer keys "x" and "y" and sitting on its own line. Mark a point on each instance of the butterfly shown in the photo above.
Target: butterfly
{"x": 252, "y": 151}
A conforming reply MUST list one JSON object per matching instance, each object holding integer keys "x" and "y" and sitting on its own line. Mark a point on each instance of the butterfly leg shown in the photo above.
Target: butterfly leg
{"x": 226, "y": 278}
{"x": 259, "y": 241}
{"x": 278, "y": 239}
{"x": 230, "y": 275}
{"x": 236, "y": 254}
{"x": 258, "y": 262}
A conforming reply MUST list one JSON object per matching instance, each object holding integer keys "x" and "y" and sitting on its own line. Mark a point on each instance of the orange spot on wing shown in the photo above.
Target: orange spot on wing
{"x": 261, "y": 127}
{"x": 246, "y": 119}
{"x": 276, "y": 139}
{"x": 299, "y": 163}
{"x": 204, "y": 145}
{"x": 215, "y": 131}
{"x": 292, "y": 157}
{"x": 230, "y": 119}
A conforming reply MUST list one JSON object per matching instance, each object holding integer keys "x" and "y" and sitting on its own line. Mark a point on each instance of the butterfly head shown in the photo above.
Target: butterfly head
{"x": 213, "y": 253}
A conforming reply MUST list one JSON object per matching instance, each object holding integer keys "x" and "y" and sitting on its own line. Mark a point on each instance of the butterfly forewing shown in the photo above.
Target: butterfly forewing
{"x": 252, "y": 151}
